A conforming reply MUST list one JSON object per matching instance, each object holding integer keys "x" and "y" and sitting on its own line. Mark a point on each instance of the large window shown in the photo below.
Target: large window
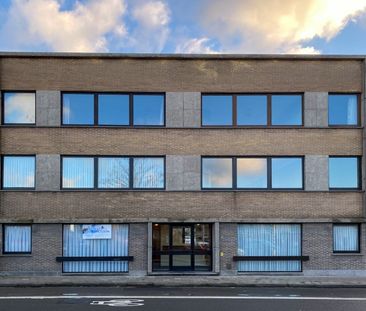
{"x": 252, "y": 110}
{"x": 265, "y": 242}
{"x": 113, "y": 172}
{"x": 252, "y": 173}
{"x": 18, "y": 172}
{"x": 343, "y": 109}
{"x": 113, "y": 109}
{"x": 17, "y": 239}
{"x": 346, "y": 238}
{"x": 19, "y": 108}
{"x": 344, "y": 173}
{"x": 89, "y": 241}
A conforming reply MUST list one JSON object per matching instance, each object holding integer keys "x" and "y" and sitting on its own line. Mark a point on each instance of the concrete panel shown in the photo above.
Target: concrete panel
{"x": 316, "y": 173}
{"x": 192, "y": 109}
{"x": 48, "y": 108}
{"x": 47, "y": 172}
{"x": 182, "y": 172}
{"x": 316, "y": 109}
{"x": 174, "y": 109}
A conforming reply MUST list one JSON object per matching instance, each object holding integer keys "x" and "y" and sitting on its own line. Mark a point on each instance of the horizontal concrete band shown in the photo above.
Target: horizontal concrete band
{"x": 108, "y": 141}
{"x": 180, "y": 205}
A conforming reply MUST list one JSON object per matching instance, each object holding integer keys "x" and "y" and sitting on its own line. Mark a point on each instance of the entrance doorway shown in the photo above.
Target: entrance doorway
{"x": 182, "y": 247}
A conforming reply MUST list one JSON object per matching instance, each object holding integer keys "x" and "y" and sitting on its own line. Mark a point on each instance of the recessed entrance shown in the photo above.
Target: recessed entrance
{"x": 182, "y": 247}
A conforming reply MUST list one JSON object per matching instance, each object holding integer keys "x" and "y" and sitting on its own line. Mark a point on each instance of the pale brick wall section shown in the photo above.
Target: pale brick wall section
{"x": 228, "y": 248}
{"x": 182, "y": 173}
{"x": 47, "y": 172}
{"x": 316, "y": 109}
{"x": 138, "y": 248}
{"x": 316, "y": 173}
{"x": 48, "y": 108}
{"x": 46, "y": 246}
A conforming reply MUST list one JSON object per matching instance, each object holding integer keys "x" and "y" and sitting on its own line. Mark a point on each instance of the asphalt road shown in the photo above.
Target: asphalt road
{"x": 182, "y": 299}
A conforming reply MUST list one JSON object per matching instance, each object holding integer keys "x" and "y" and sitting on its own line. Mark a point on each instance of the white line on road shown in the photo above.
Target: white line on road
{"x": 186, "y": 297}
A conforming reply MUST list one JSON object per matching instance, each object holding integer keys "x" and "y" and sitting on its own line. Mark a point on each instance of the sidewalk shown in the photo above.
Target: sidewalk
{"x": 186, "y": 281}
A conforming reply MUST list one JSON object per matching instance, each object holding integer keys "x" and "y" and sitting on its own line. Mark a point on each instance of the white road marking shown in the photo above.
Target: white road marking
{"x": 119, "y": 303}
{"x": 185, "y": 297}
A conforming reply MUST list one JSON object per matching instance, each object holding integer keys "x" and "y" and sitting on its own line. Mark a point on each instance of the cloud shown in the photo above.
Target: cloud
{"x": 20, "y": 108}
{"x": 274, "y": 26}
{"x": 251, "y": 166}
{"x": 217, "y": 173}
{"x": 196, "y": 46}
{"x": 84, "y": 28}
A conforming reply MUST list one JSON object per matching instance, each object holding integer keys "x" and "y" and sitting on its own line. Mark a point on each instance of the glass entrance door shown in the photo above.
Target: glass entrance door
{"x": 182, "y": 247}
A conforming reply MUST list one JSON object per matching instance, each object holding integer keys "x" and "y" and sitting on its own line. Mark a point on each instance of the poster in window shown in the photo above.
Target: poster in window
{"x": 94, "y": 232}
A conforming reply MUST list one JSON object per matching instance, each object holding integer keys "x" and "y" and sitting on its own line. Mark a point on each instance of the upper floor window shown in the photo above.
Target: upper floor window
{"x": 113, "y": 109}
{"x": 113, "y": 172}
{"x": 344, "y": 172}
{"x": 18, "y": 172}
{"x": 346, "y": 238}
{"x": 343, "y": 109}
{"x": 252, "y": 173}
{"x": 252, "y": 110}
{"x": 17, "y": 239}
{"x": 19, "y": 108}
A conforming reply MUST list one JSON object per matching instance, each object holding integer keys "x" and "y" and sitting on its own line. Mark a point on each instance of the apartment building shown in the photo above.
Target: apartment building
{"x": 174, "y": 164}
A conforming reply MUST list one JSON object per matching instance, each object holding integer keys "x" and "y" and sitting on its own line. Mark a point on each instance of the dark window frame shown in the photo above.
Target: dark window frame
{"x": 359, "y": 174}
{"x": 269, "y": 110}
{"x": 359, "y": 229}
{"x": 269, "y": 173}
{"x": 95, "y": 170}
{"x": 3, "y": 92}
{"x": 2, "y": 172}
{"x": 303, "y": 258}
{"x": 96, "y": 109}
{"x": 359, "y": 110}
{"x": 3, "y": 239}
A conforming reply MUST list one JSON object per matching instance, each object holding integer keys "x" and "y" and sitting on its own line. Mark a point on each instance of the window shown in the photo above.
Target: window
{"x": 113, "y": 172}
{"x": 217, "y": 173}
{"x": 217, "y": 110}
{"x": 95, "y": 240}
{"x": 269, "y": 240}
{"x": 113, "y": 109}
{"x": 148, "y": 110}
{"x": 17, "y": 239}
{"x": 252, "y": 110}
{"x": 343, "y": 109}
{"x": 78, "y": 109}
{"x": 18, "y": 172}
{"x": 287, "y": 173}
{"x": 346, "y": 238}
{"x": 252, "y": 173}
{"x": 286, "y": 110}
{"x": 19, "y": 108}
{"x": 344, "y": 173}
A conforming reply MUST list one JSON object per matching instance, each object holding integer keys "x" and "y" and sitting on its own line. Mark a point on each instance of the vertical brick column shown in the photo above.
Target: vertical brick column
{"x": 316, "y": 173}
{"x": 316, "y": 109}
{"x": 138, "y": 248}
{"x": 48, "y": 172}
{"x": 228, "y": 248}
{"x": 48, "y": 108}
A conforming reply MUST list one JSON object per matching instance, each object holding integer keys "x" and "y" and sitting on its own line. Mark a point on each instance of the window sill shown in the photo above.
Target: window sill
{"x": 347, "y": 254}
{"x": 16, "y": 255}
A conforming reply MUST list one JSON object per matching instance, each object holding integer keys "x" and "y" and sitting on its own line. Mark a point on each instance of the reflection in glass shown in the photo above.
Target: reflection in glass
{"x": 160, "y": 242}
{"x": 19, "y": 108}
{"x": 217, "y": 173}
{"x": 78, "y": 108}
{"x": 202, "y": 262}
{"x": 181, "y": 238}
{"x": 343, "y": 172}
{"x": 217, "y": 110}
{"x": 286, "y": 109}
{"x": 78, "y": 172}
{"x": 113, "y": 109}
{"x": 148, "y": 109}
{"x": 343, "y": 109}
{"x": 252, "y": 110}
{"x": 202, "y": 237}
{"x": 251, "y": 173}
{"x": 345, "y": 238}
{"x": 287, "y": 173}
{"x": 113, "y": 172}
{"x": 148, "y": 173}
{"x": 181, "y": 261}
{"x": 18, "y": 171}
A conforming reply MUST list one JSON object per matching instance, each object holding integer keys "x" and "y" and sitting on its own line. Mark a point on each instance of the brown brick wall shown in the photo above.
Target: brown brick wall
{"x": 100, "y": 74}
{"x": 109, "y": 141}
{"x": 142, "y": 205}
{"x": 228, "y": 248}
{"x": 138, "y": 248}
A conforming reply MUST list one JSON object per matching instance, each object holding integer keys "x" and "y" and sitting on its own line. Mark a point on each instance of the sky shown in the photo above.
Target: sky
{"x": 184, "y": 26}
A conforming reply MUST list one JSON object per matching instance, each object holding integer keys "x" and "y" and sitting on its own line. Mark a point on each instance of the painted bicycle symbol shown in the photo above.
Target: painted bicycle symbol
{"x": 119, "y": 303}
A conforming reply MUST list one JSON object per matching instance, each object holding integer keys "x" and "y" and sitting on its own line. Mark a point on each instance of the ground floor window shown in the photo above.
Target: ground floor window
{"x": 265, "y": 242}
{"x": 182, "y": 247}
{"x": 85, "y": 242}
{"x": 17, "y": 239}
{"x": 346, "y": 238}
